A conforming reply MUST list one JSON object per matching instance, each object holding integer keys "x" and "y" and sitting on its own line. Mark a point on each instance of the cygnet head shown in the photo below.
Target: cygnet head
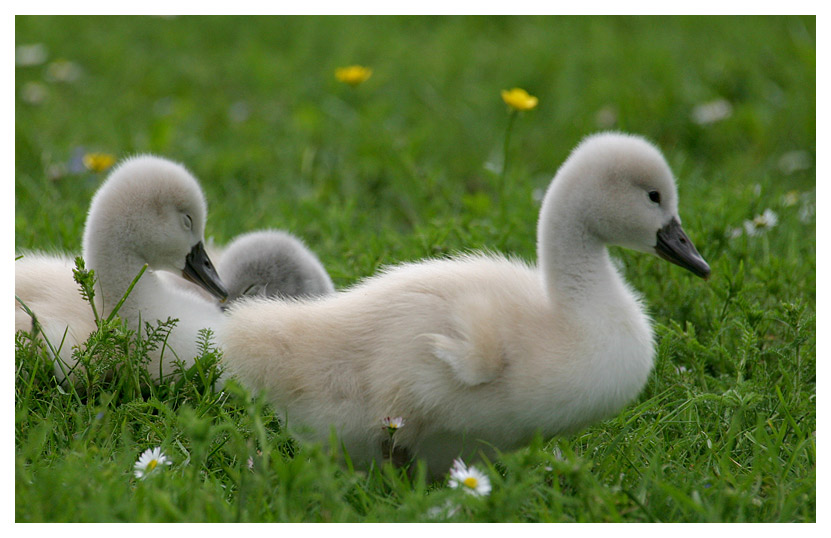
{"x": 151, "y": 210}
{"x": 272, "y": 263}
{"x": 622, "y": 190}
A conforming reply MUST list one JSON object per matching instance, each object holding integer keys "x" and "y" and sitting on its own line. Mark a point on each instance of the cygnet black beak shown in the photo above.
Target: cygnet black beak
{"x": 674, "y": 246}
{"x": 199, "y": 270}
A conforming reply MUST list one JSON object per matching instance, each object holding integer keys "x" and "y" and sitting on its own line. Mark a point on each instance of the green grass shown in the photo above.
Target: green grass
{"x": 406, "y": 166}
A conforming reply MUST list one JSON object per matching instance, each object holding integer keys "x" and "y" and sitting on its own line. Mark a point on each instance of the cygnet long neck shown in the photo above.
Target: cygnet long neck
{"x": 115, "y": 264}
{"x": 574, "y": 263}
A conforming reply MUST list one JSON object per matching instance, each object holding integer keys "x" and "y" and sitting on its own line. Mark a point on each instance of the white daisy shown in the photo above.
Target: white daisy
{"x": 733, "y": 233}
{"x": 712, "y": 111}
{"x": 606, "y": 117}
{"x": 471, "y": 479}
{"x": 791, "y": 198}
{"x": 392, "y": 425}
{"x": 761, "y": 223}
{"x": 28, "y": 55}
{"x": 63, "y": 71}
{"x": 794, "y": 161}
{"x": 808, "y": 208}
{"x": 149, "y": 460}
{"x": 34, "y": 93}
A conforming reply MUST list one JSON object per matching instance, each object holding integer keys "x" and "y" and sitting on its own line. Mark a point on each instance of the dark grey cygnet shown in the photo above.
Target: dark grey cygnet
{"x": 271, "y": 263}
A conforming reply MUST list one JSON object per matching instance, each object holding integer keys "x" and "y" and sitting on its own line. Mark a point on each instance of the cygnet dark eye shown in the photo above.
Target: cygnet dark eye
{"x": 655, "y": 196}
{"x": 187, "y": 222}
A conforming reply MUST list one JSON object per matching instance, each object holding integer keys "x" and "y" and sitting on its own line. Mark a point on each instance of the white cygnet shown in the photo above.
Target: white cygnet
{"x": 479, "y": 352}
{"x": 44, "y": 282}
{"x": 149, "y": 211}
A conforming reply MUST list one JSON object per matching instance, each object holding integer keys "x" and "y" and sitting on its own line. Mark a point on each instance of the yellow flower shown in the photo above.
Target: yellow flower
{"x": 518, "y": 99}
{"x": 353, "y": 74}
{"x": 98, "y": 162}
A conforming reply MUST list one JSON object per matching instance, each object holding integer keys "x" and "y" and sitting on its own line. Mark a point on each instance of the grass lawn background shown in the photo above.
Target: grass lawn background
{"x": 406, "y": 166}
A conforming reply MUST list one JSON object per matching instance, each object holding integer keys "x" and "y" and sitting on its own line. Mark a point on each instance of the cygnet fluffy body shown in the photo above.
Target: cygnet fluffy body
{"x": 149, "y": 211}
{"x": 479, "y": 351}
{"x": 44, "y": 282}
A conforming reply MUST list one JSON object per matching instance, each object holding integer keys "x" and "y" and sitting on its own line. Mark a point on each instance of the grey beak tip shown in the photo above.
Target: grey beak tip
{"x": 200, "y": 270}
{"x": 673, "y": 245}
